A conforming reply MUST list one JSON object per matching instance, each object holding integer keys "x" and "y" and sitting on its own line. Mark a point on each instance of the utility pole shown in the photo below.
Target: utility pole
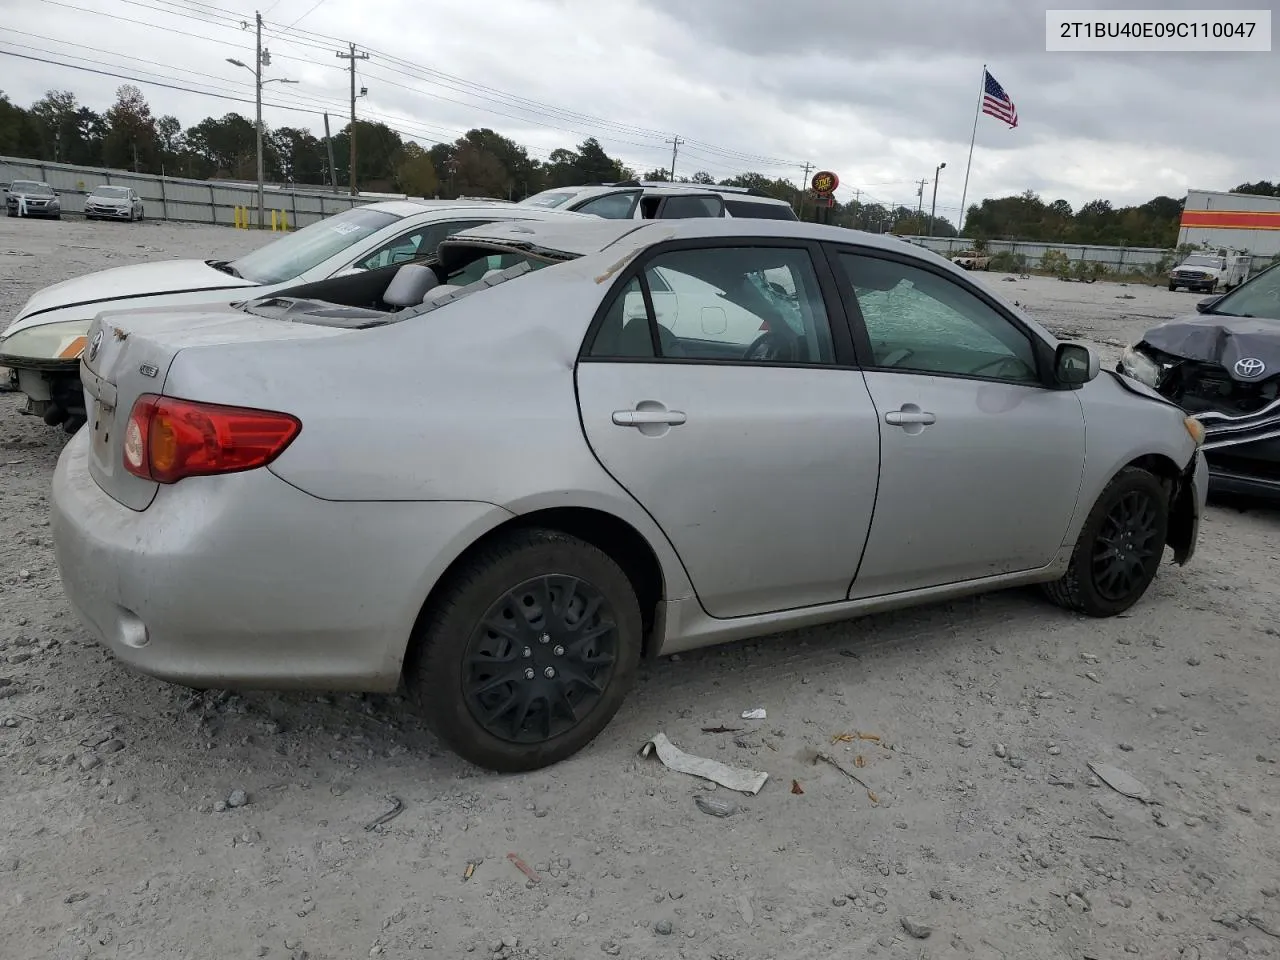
{"x": 261, "y": 59}
{"x": 920, "y": 195}
{"x": 328, "y": 143}
{"x": 675, "y": 146}
{"x": 933, "y": 209}
{"x": 351, "y": 134}
{"x": 804, "y": 189}
{"x": 257, "y": 74}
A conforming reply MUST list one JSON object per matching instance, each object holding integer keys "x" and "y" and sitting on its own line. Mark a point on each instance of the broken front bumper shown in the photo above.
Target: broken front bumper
{"x": 1244, "y": 451}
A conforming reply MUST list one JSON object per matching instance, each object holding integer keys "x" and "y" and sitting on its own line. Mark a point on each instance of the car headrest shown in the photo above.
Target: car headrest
{"x": 411, "y": 283}
{"x": 439, "y": 292}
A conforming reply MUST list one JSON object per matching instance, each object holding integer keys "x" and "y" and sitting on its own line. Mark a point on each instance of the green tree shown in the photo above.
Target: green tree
{"x": 131, "y": 141}
{"x": 299, "y": 156}
{"x": 54, "y": 116}
{"x": 18, "y": 134}
{"x": 415, "y": 173}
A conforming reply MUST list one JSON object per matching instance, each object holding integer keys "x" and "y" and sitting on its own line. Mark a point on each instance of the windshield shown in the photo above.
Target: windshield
{"x": 112, "y": 193}
{"x": 1260, "y": 297}
{"x": 548, "y": 199}
{"x": 1214, "y": 262}
{"x": 295, "y": 254}
{"x": 31, "y": 188}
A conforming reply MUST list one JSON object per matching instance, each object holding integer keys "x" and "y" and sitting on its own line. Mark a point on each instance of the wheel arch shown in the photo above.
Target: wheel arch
{"x": 1182, "y": 513}
{"x": 611, "y": 534}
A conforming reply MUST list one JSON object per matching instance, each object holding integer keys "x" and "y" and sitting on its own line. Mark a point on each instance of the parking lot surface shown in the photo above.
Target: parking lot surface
{"x": 145, "y": 820}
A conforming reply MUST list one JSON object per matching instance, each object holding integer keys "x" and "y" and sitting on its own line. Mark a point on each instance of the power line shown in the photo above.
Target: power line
{"x": 153, "y": 83}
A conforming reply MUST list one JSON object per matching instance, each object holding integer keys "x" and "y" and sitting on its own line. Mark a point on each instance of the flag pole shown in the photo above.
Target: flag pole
{"x": 977, "y": 112}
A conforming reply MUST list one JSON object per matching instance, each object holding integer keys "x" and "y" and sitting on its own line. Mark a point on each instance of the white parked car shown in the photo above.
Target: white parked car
{"x": 107, "y": 202}
{"x": 648, "y": 200}
{"x": 41, "y": 348}
{"x": 1210, "y": 273}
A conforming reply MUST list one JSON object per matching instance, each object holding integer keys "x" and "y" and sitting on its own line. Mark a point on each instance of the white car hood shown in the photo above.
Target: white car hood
{"x": 106, "y": 289}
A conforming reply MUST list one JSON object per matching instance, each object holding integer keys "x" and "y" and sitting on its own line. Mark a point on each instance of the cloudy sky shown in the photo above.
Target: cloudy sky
{"x": 878, "y": 92}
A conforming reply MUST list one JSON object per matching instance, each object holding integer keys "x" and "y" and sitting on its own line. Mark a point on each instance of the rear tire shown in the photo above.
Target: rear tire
{"x": 1119, "y": 549}
{"x": 509, "y": 687}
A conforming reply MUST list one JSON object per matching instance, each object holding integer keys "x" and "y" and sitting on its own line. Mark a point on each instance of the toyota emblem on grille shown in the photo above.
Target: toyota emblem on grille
{"x": 97, "y": 343}
{"x": 1250, "y": 367}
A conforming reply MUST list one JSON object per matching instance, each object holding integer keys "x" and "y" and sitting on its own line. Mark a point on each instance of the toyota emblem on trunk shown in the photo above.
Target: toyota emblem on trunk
{"x": 1250, "y": 367}
{"x": 97, "y": 343}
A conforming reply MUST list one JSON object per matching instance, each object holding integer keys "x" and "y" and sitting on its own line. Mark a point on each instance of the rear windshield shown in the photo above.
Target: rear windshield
{"x": 112, "y": 193}
{"x": 548, "y": 199}
{"x": 31, "y": 188}
{"x": 295, "y": 254}
{"x": 760, "y": 211}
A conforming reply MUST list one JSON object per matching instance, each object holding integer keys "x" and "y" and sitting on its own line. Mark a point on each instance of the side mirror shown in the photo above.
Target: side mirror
{"x": 1074, "y": 364}
{"x": 1207, "y": 304}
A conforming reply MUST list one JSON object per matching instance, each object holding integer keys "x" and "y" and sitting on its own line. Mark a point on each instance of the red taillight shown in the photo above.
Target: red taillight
{"x": 764, "y": 327}
{"x": 168, "y": 439}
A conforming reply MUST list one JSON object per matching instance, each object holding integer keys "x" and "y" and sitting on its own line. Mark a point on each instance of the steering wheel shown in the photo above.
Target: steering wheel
{"x": 999, "y": 362}
{"x": 773, "y": 346}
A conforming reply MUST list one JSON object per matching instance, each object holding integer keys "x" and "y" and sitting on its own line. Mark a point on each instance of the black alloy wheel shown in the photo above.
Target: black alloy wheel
{"x": 1119, "y": 548}
{"x": 526, "y": 650}
{"x": 1125, "y": 546}
{"x": 540, "y": 659}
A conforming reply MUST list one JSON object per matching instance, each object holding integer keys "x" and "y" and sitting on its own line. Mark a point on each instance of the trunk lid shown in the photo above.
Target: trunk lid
{"x": 129, "y": 354}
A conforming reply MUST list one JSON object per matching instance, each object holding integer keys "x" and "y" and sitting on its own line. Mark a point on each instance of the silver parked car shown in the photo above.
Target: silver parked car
{"x": 539, "y": 468}
{"x": 106, "y": 202}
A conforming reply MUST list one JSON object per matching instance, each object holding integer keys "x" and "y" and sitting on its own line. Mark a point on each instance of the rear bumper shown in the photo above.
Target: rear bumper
{"x": 245, "y": 581}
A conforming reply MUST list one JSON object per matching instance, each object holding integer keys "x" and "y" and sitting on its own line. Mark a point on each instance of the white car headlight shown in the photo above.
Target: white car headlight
{"x": 1141, "y": 367}
{"x": 52, "y": 341}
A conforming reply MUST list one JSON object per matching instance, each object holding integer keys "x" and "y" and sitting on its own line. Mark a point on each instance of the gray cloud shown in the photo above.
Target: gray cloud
{"x": 879, "y": 92}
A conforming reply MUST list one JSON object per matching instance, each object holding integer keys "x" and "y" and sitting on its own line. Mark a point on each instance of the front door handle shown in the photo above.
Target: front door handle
{"x": 905, "y": 417}
{"x": 641, "y": 418}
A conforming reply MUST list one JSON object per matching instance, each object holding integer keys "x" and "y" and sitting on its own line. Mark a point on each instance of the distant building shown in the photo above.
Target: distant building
{"x": 1236, "y": 221}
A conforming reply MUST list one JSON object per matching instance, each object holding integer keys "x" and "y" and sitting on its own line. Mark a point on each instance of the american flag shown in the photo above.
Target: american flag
{"x": 996, "y": 103}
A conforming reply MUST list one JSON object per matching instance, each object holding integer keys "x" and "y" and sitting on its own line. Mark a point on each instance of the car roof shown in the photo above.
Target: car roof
{"x": 656, "y": 189}
{"x": 409, "y": 208}
{"x": 596, "y": 234}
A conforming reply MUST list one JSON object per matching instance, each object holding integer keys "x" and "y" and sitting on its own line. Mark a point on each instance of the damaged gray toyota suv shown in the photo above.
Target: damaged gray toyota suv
{"x": 1222, "y": 366}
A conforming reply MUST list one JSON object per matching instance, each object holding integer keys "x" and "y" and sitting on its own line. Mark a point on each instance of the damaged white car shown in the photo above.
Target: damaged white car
{"x": 40, "y": 350}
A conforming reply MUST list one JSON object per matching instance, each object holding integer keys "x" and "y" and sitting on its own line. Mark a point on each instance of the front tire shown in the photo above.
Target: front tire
{"x": 1173, "y": 287}
{"x": 1119, "y": 549}
{"x": 529, "y": 651}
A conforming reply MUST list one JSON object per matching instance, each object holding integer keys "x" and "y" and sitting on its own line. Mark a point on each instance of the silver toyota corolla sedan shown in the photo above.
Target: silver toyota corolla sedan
{"x": 578, "y": 444}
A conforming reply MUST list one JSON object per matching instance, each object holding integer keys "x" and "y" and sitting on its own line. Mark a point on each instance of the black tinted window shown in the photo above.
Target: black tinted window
{"x": 760, "y": 211}
{"x": 683, "y": 208}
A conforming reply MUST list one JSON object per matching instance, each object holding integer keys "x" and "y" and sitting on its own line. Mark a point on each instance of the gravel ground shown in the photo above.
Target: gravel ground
{"x": 144, "y": 820}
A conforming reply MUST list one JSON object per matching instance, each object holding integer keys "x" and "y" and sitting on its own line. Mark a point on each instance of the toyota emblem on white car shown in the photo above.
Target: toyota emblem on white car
{"x": 97, "y": 343}
{"x": 1250, "y": 367}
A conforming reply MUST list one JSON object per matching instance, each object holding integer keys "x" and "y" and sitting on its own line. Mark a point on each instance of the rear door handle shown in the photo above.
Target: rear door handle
{"x": 640, "y": 418}
{"x": 902, "y": 418}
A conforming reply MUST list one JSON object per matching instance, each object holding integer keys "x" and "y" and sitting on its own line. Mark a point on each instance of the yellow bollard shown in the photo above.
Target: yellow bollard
{"x": 274, "y": 226}
{"x": 237, "y": 217}
{"x": 284, "y": 222}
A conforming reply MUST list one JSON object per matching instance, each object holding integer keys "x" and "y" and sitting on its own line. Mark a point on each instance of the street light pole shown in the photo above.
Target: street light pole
{"x": 257, "y": 76}
{"x": 933, "y": 208}
{"x": 260, "y": 60}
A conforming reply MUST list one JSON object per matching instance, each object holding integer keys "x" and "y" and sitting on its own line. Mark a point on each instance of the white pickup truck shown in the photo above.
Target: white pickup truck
{"x": 1210, "y": 273}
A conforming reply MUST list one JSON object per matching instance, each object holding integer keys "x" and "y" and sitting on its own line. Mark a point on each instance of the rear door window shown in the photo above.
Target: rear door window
{"x": 612, "y": 206}
{"x": 683, "y": 208}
